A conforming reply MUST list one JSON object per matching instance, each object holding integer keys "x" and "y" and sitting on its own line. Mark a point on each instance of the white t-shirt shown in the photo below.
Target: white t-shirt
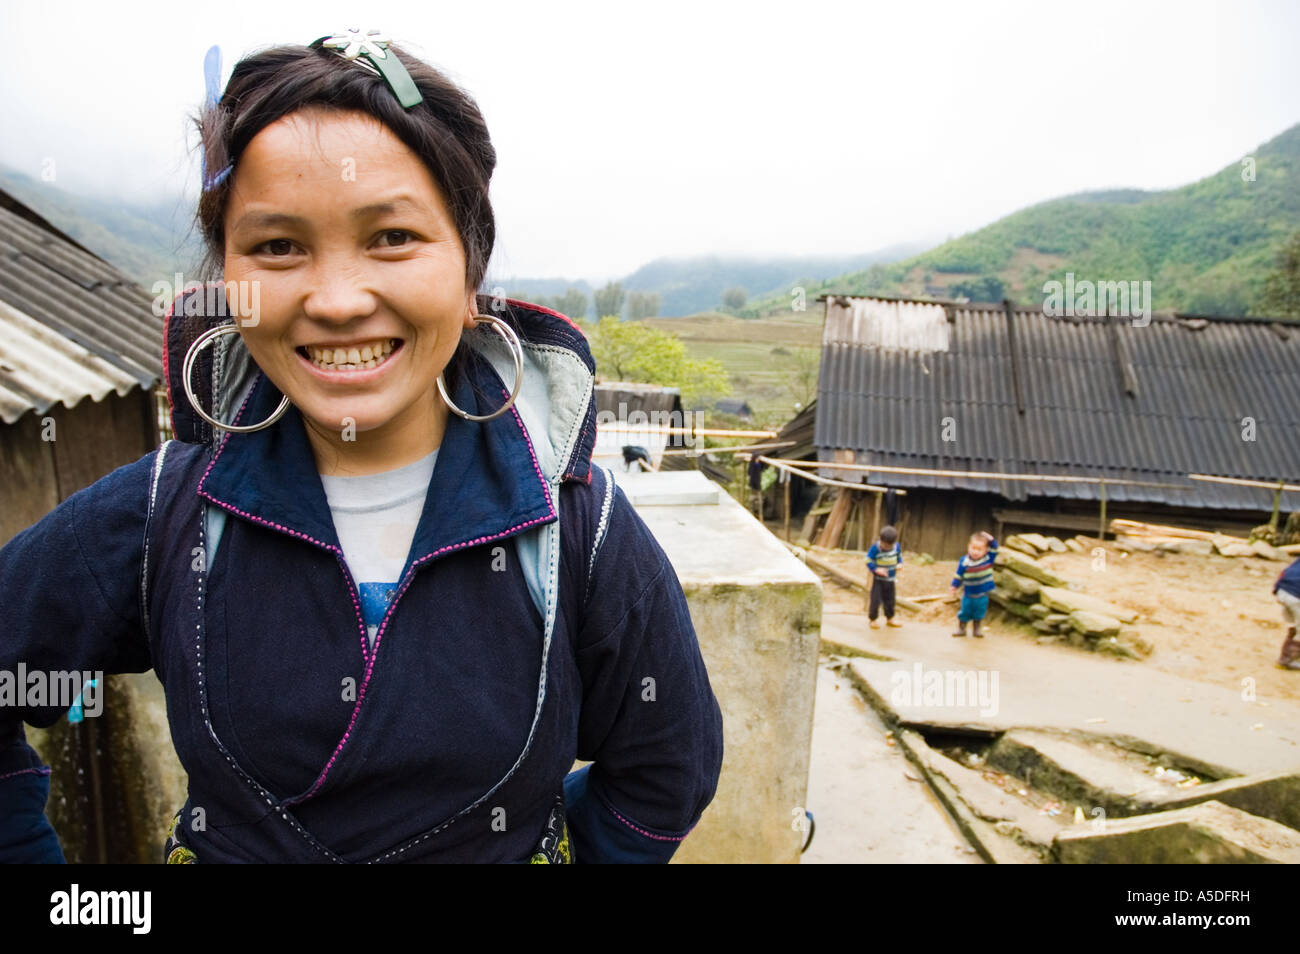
{"x": 375, "y": 516}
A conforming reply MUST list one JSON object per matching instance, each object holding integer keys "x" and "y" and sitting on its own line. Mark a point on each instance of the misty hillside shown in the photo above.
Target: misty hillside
{"x": 691, "y": 285}
{"x": 148, "y": 243}
{"x": 151, "y": 243}
{"x": 1206, "y": 248}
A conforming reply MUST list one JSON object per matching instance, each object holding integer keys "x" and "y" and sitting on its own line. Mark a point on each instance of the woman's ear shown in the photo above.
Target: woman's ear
{"x": 471, "y": 307}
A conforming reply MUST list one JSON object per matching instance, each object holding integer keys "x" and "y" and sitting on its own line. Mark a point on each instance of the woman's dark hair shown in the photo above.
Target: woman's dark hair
{"x": 446, "y": 132}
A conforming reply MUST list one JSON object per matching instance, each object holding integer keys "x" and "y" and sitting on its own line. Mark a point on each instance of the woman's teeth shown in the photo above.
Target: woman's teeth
{"x": 369, "y": 355}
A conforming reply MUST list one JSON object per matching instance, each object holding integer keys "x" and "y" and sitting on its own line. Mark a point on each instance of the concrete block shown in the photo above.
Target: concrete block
{"x": 757, "y": 612}
{"x": 120, "y": 805}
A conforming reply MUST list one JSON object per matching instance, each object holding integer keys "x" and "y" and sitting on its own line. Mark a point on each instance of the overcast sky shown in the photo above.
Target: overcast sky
{"x": 626, "y": 132}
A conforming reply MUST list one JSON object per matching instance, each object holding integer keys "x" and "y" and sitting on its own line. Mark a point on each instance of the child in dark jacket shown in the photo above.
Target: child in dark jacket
{"x": 883, "y": 561}
{"x": 1287, "y": 591}
{"x": 975, "y": 578}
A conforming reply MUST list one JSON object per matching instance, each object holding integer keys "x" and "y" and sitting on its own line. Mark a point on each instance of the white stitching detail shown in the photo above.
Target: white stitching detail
{"x": 207, "y": 721}
{"x": 148, "y": 525}
{"x": 552, "y": 530}
{"x": 603, "y": 524}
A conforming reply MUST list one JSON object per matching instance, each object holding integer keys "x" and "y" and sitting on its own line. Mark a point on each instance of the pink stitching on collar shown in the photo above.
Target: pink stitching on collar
{"x": 356, "y": 605}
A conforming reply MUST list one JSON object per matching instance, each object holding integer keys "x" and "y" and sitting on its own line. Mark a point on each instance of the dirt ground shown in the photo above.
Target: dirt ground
{"x": 1211, "y": 619}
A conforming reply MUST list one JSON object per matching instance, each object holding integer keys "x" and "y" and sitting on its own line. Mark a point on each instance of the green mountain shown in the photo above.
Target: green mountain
{"x": 1206, "y": 248}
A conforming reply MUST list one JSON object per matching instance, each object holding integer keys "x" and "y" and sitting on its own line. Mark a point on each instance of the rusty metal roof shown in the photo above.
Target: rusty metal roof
{"x": 1027, "y": 393}
{"x": 71, "y": 325}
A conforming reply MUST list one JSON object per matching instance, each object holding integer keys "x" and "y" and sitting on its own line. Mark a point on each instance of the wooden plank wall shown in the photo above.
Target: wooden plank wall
{"x": 940, "y": 522}
{"x": 90, "y": 441}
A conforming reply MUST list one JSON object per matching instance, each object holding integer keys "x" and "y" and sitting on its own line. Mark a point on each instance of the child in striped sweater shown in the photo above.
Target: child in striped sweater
{"x": 883, "y": 561}
{"x": 975, "y": 575}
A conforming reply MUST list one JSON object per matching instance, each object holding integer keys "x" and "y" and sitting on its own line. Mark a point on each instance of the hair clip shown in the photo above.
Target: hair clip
{"x": 352, "y": 44}
{"x": 212, "y": 96}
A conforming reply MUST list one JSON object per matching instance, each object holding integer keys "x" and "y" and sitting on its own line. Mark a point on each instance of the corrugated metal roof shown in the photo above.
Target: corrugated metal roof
{"x": 39, "y": 367}
{"x": 1195, "y": 381}
{"x": 71, "y": 325}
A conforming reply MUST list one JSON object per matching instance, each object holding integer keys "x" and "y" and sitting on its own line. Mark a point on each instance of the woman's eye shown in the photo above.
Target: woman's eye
{"x": 395, "y": 238}
{"x": 277, "y": 248}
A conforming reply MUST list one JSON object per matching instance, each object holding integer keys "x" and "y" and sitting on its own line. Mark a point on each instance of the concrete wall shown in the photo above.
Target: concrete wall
{"x": 115, "y": 781}
{"x": 757, "y": 612}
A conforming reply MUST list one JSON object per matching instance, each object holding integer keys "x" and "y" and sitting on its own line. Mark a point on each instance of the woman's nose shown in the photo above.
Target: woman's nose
{"x": 338, "y": 293}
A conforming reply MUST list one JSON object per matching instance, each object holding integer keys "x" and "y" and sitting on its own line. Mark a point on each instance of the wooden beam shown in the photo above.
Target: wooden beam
{"x": 785, "y": 481}
{"x": 1101, "y": 534}
{"x": 991, "y": 475}
{"x": 825, "y": 481}
{"x": 1239, "y": 482}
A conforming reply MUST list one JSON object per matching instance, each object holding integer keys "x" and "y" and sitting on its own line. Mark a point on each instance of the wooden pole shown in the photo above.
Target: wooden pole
{"x": 1277, "y": 506}
{"x": 875, "y": 521}
{"x": 1101, "y": 533}
{"x": 827, "y": 481}
{"x": 987, "y": 475}
{"x": 616, "y": 427}
{"x": 1267, "y": 484}
{"x": 785, "y": 480}
{"x": 862, "y": 528}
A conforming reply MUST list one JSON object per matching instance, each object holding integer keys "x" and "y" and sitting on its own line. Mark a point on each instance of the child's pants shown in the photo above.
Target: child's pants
{"x": 1291, "y": 616}
{"x": 882, "y": 591}
{"x": 1290, "y": 608}
{"x": 972, "y": 608}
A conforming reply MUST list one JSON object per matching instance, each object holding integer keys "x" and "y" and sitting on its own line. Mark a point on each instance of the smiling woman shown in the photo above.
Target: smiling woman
{"x": 362, "y": 281}
{"x": 390, "y": 598}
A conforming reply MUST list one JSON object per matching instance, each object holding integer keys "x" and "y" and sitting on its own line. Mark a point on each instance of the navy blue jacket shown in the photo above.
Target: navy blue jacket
{"x": 537, "y": 621}
{"x": 1289, "y": 579}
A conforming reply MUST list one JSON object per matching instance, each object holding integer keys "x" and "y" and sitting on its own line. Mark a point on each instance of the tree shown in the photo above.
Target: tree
{"x": 804, "y": 370}
{"x": 631, "y": 351}
{"x": 572, "y": 303}
{"x": 609, "y": 300}
{"x": 734, "y": 298}
{"x": 985, "y": 288}
{"x": 642, "y": 305}
{"x": 1281, "y": 296}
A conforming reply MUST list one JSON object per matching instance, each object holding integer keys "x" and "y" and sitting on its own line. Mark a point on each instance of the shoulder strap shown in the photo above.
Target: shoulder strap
{"x": 532, "y": 546}
{"x": 602, "y": 524}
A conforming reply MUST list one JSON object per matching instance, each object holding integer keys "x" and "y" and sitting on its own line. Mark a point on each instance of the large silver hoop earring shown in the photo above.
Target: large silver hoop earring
{"x": 516, "y": 352}
{"x": 191, "y": 355}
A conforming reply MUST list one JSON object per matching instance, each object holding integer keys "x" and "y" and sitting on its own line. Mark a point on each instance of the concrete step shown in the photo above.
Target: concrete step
{"x": 1096, "y": 772}
{"x": 1090, "y": 771}
{"x": 1209, "y": 833}
{"x": 1003, "y": 829}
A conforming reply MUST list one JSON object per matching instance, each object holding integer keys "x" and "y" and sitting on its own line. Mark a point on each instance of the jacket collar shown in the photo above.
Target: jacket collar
{"x": 492, "y": 479}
